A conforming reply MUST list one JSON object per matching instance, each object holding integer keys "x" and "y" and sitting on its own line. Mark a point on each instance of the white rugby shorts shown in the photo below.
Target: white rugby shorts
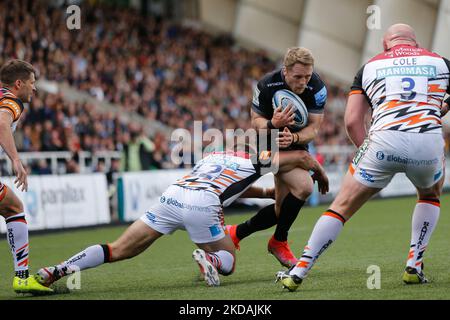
{"x": 196, "y": 211}
{"x": 385, "y": 153}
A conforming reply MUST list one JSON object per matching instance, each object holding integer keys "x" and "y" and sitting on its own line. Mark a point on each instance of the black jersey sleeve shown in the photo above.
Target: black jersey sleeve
{"x": 357, "y": 86}
{"x": 357, "y": 82}
{"x": 262, "y": 101}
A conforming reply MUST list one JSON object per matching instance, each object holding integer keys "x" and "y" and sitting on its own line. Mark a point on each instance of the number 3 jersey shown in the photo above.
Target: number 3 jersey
{"x": 225, "y": 174}
{"x": 405, "y": 87}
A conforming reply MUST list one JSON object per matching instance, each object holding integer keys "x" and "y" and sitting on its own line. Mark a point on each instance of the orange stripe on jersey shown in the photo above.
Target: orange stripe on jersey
{"x": 415, "y": 119}
{"x": 435, "y": 88}
{"x": 434, "y": 203}
{"x": 9, "y": 110}
{"x": 221, "y": 183}
{"x": 355, "y": 92}
{"x": 351, "y": 169}
{"x": 393, "y": 104}
{"x": 13, "y": 106}
{"x": 231, "y": 173}
{"x": 227, "y": 180}
{"x": 334, "y": 215}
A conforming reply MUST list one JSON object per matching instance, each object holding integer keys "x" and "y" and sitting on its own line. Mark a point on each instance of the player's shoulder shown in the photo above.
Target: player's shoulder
{"x": 12, "y": 104}
{"x": 271, "y": 80}
{"x": 316, "y": 83}
{"x": 318, "y": 89}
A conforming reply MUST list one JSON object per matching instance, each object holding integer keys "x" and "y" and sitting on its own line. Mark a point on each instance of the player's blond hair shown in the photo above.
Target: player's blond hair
{"x": 298, "y": 55}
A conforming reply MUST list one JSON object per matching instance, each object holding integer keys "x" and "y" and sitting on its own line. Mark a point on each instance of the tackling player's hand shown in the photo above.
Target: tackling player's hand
{"x": 283, "y": 118}
{"x": 444, "y": 109}
{"x": 285, "y": 138}
{"x": 21, "y": 175}
{"x": 322, "y": 181}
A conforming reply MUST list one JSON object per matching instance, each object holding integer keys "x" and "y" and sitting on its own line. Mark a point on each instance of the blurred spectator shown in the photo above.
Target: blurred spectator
{"x": 137, "y": 153}
{"x": 41, "y": 167}
{"x": 72, "y": 165}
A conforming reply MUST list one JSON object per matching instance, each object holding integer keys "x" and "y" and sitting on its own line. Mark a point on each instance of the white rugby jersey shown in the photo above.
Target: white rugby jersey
{"x": 405, "y": 87}
{"x": 225, "y": 174}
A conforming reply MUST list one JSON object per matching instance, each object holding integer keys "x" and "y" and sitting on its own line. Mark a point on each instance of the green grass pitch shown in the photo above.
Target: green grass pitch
{"x": 377, "y": 235}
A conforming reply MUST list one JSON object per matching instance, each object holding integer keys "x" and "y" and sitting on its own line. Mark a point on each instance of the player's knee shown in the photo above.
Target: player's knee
{"x": 9, "y": 210}
{"x": 303, "y": 192}
{"x": 17, "y": 207}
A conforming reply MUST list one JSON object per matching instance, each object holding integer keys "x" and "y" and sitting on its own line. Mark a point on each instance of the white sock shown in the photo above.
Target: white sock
{"x": 17, "y": 235}
{"x": 90, "y": 257}
{"x": 324, "y": 234}
{"x": 223, "y": 261}
{"x": 424, "y": 221}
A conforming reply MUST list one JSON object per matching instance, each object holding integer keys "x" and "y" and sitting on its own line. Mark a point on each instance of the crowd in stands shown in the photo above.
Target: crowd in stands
{"x": 159, "y": 69}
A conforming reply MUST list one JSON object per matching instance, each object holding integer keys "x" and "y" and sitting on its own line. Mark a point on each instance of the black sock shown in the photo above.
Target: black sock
{"x": 289, "y": 211}
{"x": 22, "y": 274}
{"x": 264, "y": 219}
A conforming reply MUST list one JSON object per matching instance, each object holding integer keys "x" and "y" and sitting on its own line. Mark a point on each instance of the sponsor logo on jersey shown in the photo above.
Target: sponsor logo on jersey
{"x": 215, "y": 230}
{"x": 366, "y": 176}
{"x": 151, "y": 217}
{"x": 416, "y": 71}
{"x": 181, "y": 205}
{"x": 274, "y": 84}
{"x": 380, "y": 155}
{"x": 408, "y": 161}
{"x": 256, "y": 93}
{"x": 321, "y": 96}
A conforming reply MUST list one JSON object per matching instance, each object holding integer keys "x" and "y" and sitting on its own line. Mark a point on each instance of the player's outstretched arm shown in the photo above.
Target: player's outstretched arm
{"x": 7, "y": 143}
{"x": 260, "y": 193}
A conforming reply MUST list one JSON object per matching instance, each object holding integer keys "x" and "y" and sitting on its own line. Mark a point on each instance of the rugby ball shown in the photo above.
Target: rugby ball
{"x": 285, "y": 97}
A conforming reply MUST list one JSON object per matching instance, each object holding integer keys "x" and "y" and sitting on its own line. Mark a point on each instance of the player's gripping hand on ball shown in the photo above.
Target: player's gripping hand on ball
{"x": 283, "y": 118}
